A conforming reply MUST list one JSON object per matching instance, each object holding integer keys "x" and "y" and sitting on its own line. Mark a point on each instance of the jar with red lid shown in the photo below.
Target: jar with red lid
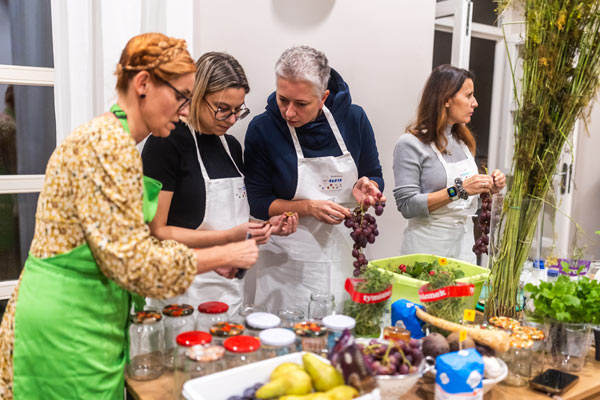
{"x": 145, "y": 345}
{"x": 210, "y": 313}
{"x": 178, "y": 318}
{"x": 241, "y": 350}
{"x": 195, "y": 356}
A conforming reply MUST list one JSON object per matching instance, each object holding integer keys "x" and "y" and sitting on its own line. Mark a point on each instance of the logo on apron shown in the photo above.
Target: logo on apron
{"x": 240, "y": 192}
{"x": 331, "y": 183}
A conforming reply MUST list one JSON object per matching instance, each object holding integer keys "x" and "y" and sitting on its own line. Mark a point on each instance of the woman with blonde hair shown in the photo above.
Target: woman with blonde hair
{"x": 63, "y": 334}
{"x": 203, "y": 200}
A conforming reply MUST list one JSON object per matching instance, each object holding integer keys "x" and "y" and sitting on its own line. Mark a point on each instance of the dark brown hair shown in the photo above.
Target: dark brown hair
{"x": 432, "y": 117}
{"x": 162, "y": 56}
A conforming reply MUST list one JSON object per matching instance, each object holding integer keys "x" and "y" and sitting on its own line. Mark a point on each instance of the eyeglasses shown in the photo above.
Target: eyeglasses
{"x": 222, "y": 115}
{"x": 178, "y": 95}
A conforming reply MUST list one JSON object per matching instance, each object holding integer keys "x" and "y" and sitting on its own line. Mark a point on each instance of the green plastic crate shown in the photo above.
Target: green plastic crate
{"x": 407, "y": 288}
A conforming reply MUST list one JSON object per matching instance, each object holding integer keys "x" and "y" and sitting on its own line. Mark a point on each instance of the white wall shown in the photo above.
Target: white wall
{"x": 382, "y": 48}
{"x": 586, "y": 196}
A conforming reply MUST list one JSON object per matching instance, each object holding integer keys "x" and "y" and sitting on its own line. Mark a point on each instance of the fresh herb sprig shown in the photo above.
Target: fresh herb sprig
{"x": 424, "y": 271}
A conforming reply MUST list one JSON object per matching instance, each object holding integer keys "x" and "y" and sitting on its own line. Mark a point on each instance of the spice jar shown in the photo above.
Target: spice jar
{"x": 311, "y": 336}
{"x": 178, "y": 318}
{"x": 223, "y": 330}
{"x": 259, "y": 321}
{"x": 277, "y": 342}
{"x": 145, "y": 345}
{"x": 336, "y": 324}
{"x": 210, "y": 313}
{"x": 241, "y": 350}
{"x": 195, "y": 357}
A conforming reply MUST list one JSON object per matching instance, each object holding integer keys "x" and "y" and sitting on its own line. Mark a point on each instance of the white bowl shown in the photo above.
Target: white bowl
{"x": 394, "y": 386}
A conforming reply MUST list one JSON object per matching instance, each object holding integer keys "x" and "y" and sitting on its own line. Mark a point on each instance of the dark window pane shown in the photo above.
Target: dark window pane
{"x": 26, "y": 33}
{"x": 3, "y": 304}
{"x": 27, "y": 129}
{"x": 442, "y": 48}
{"x": 17, "y": 213}
{"x": 483, "y": 12}
{"x": 482, "y": 65}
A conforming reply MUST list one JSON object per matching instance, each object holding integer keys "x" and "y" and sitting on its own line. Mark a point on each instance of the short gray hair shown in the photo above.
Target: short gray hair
{"x": 305, "y": 64}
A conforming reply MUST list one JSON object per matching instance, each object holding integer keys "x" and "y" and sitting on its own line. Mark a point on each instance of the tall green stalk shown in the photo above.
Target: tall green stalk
{"x": 561, "y": 72}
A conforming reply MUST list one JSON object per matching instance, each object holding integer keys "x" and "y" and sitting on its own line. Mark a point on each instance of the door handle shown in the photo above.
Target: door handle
{"x": 563, "y": 178}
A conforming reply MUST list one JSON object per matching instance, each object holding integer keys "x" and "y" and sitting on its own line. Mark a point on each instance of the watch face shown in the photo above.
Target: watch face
{"x": 452, "y": 192}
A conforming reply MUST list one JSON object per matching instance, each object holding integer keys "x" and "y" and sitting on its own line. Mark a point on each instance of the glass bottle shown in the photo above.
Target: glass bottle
{"x": 178, "y": 318}
{"x": 210, "y": 313}
{"x": 145, "y": 345}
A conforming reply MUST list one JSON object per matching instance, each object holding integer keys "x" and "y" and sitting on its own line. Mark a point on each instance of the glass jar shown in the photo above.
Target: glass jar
{"x": 321, "y": 304}
{"x": 245, "y": 310}
{"x": 241, "y": 350}
{"x": 336, "y": 324}
{"x": 145, "y": 345}
{"x": 277, "y": 342}
{"x": 311, "y": 336}
{"x": 396, "y": 333}
{"x": 259, "y": 321}
{"x": 223, "y": 330}
{"x": 178, "y": 318}
{"x": 290, "y": 316}
{"x": 195, "y": 357}
{"x": 210, "y": 313}
{"x": 518, "y": 361}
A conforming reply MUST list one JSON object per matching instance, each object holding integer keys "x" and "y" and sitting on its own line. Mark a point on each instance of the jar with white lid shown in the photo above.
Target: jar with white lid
{"x": 210, "y": 313}
{"x": 241, "y": 350}
{"x": 259, "y": 321}
{"x": 277, "y": 342}
{"x": 336, "y": 324}
{"x": 178, "y": 318}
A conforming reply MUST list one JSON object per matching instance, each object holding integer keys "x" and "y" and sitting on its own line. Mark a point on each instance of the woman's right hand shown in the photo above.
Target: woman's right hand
{"x": 254, "y": 228}
{"x": 328, "y": 211}
{"x": 241, "y": 255}
{"x": 478, "y": 184}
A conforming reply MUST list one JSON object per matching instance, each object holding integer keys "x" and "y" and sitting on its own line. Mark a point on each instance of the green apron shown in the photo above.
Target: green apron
{"x": 71, "y": 324}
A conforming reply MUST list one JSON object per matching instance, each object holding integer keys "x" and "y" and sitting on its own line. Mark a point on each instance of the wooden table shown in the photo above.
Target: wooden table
{"x": 587, "y": 388}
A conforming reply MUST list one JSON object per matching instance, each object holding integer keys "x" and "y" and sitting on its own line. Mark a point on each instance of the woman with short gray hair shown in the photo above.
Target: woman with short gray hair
{"x": 306, "y": 153}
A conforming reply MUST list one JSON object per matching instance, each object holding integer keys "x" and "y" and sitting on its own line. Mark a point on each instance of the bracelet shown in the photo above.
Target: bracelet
{"x": 462, "y": 193}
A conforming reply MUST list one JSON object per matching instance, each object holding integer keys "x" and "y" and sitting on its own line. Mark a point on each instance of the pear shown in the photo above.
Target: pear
{"x": 275, "y": 388}
{"x": 324, "y": 376}
{"x": 343, "y": 392}
{"x": 300, "y": 382}
{"x": 283, "y": 369}
{"x": 295, "y": 382}
{"x": 310, "y": 396}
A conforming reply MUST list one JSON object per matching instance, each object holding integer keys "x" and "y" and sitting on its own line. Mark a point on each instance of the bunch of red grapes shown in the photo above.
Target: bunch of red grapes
{"x": 364, "y": 230}
{"x": 400, "y": 359}
{"x": 483, "y": 222}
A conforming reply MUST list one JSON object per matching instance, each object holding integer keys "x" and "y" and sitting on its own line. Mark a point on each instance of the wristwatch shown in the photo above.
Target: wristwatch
{"x": 452, "y": 193}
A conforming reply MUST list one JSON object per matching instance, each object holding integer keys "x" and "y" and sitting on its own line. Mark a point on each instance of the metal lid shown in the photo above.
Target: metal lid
{"x": 263, "y": 320}
{"x": 213, "y": 307}
{"x": 193, "y": 338}
{"x": 146, "y": 317}
{"x": 178, "y": 310}
{"x": 277, "y": 337}
{"x": 242, "y": 344}
{"x": 339, "y": 322}
{"x": 552, "y": 272}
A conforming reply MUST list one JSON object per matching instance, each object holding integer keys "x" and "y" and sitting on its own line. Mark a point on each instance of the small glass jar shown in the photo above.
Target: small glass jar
{"x": 277, "y": 342}
{"x": 145, "y": 345}
{"x": 321, "y": 304}
{"x": 195, "y": 357}
{"x": 178, "y": 318}
{"x": 290, "y": 316}
{"x": 210, "y": 313}
{"x": 245, "y": 310}
{"x": 518, "y": 361}
{"x": 241, "y": 350}
{"x": 259, "y": 321}
{"x": 396, "y": 333}
{"x": 223, "y": 330}
{"x": 336, "y": 324}
{"x": 311, "y": 336}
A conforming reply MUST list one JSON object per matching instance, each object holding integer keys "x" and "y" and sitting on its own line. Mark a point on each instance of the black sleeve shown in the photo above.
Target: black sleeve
{"x": 236, "y": 152}
{"x": 160, "y": 158}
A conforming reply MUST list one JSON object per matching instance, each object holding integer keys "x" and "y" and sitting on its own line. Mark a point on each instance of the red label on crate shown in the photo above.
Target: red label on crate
{"x": 366, "y": 298}
{"x": 460, "y": 290}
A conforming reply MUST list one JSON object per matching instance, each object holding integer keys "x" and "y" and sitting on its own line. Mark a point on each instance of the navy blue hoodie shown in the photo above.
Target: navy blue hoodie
{"x": 270, "y": 159}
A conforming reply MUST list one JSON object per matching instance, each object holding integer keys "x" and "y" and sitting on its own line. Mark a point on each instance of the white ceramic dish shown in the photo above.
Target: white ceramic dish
{"x": 233, "y": 381}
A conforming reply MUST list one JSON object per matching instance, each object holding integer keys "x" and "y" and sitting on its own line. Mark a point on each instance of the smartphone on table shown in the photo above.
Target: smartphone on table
{"x": 554, "y": 381}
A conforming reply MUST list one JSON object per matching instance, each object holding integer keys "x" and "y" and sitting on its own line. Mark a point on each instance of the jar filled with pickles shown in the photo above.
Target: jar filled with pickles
{"x": 311, "y": 336}
{"x": 210, "y": 313}
{"x": 223, "y": 330}
{"x": 178, "y": 318}
{"x": 241, "y": 350}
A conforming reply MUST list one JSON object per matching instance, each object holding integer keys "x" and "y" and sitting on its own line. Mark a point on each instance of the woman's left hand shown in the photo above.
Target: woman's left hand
{"x": 261, "y": 235}
{"x": 284, "y": 224}
{"x": 365, "y": 191}
{"x": 499, "y": 181}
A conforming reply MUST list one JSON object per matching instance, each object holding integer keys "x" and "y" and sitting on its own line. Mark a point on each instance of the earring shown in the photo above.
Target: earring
{"x": 142, "y": 96}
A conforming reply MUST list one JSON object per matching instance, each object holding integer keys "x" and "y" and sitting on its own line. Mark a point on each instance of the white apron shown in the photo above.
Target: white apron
{"x": 448, "y": 231}
{"x": 318, "y": 257}
{"x": 226, "y": 207}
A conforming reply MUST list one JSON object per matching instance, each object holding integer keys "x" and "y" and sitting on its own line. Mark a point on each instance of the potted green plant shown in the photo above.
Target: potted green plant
{"x": 570, "y": 308}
